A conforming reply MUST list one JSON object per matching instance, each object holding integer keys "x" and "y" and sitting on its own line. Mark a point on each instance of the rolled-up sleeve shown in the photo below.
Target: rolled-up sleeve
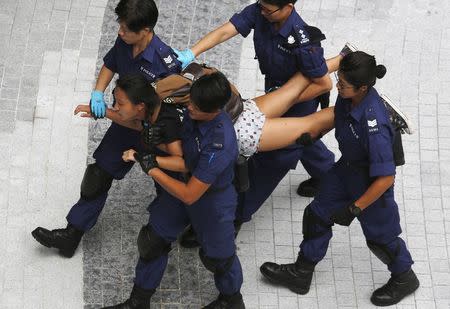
{"x": 245, "y": 21}
{"x": 310, "y": 61}
{"x": 110, "y": 59}
{"x": 211, "y": 165}
{"x": 381, "y": 157}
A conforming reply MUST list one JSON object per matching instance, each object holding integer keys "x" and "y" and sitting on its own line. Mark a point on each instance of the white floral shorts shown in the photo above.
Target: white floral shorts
{"x": 248, "y": 128}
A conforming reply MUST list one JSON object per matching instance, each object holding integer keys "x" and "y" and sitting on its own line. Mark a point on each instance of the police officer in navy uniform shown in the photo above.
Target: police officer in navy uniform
{"x": 359, "y": 185}
{"x": 207, "y": 198}
{"x": 137, "y": 50}
{"x": 284, "y": 44}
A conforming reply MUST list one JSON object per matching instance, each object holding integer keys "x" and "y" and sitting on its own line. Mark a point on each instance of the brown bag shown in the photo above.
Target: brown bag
{"x": 174, "y": 89}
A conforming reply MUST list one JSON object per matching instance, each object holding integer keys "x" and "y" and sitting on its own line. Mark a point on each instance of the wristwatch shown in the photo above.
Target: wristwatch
{"x": 354, "y": 210}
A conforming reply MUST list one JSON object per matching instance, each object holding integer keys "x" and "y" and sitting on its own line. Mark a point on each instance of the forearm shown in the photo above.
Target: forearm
{"x": 104, "y": 78}
{"x": 172, "y": 163}
{"x": 177, "y": 188}
{"x": 375, "y": 191}
{"x": 115, "y": 117}
{"x": 214, "y": 38}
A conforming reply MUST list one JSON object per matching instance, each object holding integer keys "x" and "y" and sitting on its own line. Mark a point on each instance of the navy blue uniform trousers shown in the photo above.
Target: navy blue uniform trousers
{"x": 380, "y": 222}
{"x": 213, "y": 223}
{"x": 108, "y": 155}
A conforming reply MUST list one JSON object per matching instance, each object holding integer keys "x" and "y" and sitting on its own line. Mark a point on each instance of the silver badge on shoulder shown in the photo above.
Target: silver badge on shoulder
{"x": 168, "y": 59}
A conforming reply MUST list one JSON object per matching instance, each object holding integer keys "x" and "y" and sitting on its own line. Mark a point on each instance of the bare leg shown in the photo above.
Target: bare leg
{"x": 333, "y": 63}
{"x": 278, "y": 102}
{"x": 281, "y": 132}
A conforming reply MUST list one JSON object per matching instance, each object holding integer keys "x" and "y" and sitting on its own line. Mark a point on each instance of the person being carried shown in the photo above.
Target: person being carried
{"x": 284, "y": 44}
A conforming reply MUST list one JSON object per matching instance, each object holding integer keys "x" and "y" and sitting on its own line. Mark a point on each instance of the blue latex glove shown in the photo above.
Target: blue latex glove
{"x": 98, "y": 106}
{"x": 184, "y": 56}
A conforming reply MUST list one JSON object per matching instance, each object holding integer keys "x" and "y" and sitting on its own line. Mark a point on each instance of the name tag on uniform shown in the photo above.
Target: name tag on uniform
{"x": 353, "y": 131}
{"x": 284, "y": 49}
{"x": 217, "y": 145}
{"x": 147, "y": 72}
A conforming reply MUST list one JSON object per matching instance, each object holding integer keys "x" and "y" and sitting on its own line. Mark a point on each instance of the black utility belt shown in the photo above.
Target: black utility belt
{"x": 359, "y": 166}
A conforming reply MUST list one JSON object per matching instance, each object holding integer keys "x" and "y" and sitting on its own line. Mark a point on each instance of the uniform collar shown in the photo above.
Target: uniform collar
{"x": 206, "y": 126}
{"x": 151, "y": 48}
{"x": 358, "y": 112}
{"x": 286, "y": 29}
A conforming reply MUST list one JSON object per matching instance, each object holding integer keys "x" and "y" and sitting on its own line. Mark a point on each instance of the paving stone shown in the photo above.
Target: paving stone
{"x": 418, "y": 64}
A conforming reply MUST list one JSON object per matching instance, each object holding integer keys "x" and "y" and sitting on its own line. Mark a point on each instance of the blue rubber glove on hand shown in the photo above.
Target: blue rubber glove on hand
{"x": 98, "y": 106}
{"x": 184, "y": 56}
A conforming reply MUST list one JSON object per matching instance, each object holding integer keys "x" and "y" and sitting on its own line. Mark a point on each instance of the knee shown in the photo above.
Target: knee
{"x": 218, "y": 266}
{"x": 151, "y": 245}
{"x": 313, "y": 225}
{"x": 96, "y": 181}
{"x": 386, "y": 253}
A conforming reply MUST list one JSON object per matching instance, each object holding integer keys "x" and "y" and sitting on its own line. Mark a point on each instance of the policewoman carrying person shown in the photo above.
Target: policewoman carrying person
{"x": 360, "y": 185}
{"x": 205, "y": 197}
{"x": 137, "y": 50}
{"x": 284, "y": 44}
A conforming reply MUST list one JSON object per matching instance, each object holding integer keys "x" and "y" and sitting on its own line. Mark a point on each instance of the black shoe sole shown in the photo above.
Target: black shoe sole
{"x": 64, "y": 252}
{"x": 295, "y": 289}
{"x": 385, "y": 304}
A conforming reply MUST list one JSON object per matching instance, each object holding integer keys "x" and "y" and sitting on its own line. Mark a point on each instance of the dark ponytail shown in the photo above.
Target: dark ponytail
{"x": 380, "y": 71}
{"x": 361, "y": 69}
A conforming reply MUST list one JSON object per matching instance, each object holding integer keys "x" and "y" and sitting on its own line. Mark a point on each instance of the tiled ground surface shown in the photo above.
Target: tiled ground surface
{"x": 48, "y": 51}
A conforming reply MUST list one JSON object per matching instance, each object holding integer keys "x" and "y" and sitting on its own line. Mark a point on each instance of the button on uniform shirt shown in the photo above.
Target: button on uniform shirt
{"x": 281, "y": 53}
{"x": 156, "y": 61}
{"x": 365, "y": 135}
{"x": 210, "y": 149}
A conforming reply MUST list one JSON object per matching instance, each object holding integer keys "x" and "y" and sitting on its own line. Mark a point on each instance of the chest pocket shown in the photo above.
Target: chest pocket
{"x": 191, "y": 152}
{"x": 351, "y": 141}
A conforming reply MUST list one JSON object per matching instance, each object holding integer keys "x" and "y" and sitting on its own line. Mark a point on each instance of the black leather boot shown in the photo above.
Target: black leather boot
{"x": 395, "y": 289}
{"x": 324, "y": 100}
{"x": 139, "y": 299}
{"x": 309, "y": 187}
{"x": 66, "y": 240}
{"x": 234, "y": 301}
{"x": 296, "y": 277}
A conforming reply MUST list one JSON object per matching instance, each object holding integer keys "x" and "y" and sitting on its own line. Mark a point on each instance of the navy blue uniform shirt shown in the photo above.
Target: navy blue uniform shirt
{"x": 365, "y": 135}
{"x": 156, "y": 61}
{"x": 281, "y": 53}
{"x": 210, "y": 149}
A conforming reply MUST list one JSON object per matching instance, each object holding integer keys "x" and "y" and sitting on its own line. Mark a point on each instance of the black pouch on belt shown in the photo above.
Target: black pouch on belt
{"x": 397, "y": 148}
{"x": 241, "y": 180}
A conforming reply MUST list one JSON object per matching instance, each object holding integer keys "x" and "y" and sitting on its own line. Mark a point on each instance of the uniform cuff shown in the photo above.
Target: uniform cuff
{"x": 316, "y": 72}
{"x": 382, "y": 169}
{"x": 206, "y": 178}
{"x": 240, "y": 26}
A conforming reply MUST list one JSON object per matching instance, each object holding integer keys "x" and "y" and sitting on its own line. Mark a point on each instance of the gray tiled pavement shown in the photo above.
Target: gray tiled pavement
{"x": 48, "y": 54}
